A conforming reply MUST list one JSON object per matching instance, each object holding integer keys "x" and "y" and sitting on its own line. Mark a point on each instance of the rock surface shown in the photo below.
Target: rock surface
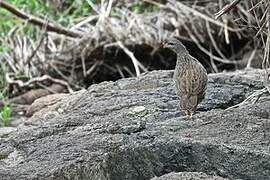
{"x": 187, "y": 176}
{"x": 132, "y": 129}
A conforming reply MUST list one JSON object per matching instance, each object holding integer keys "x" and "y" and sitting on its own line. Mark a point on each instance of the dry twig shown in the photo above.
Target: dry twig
{"x": 227, "y": 8}
{"x": 73, "y": 58}
{"x": 37, "y": 21}
{"x": 132, "y": 57}
{"x": 22, "y": 84}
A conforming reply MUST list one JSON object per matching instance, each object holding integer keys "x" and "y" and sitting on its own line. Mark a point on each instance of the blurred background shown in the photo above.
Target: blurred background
{"x": 58, "y": 46}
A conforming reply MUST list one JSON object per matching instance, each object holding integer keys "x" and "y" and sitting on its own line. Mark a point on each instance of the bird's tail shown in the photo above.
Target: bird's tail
{"x": 192, "y": 103}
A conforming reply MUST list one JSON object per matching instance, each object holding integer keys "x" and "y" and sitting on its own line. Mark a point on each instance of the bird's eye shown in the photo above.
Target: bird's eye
{"x": 170, "y": 43}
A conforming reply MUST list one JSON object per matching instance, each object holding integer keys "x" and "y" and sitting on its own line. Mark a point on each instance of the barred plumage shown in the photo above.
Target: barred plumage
{"x": 190, "y": 77}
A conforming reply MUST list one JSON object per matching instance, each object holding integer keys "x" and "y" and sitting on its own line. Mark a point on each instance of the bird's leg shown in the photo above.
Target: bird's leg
{"x": 192, "y": 113}
{"x": 187, "y": 112}
{"x": 183, "y": 105}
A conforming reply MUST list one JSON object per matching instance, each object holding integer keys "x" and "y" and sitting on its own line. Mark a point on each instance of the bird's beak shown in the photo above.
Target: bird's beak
{"x": 163, "y": 44}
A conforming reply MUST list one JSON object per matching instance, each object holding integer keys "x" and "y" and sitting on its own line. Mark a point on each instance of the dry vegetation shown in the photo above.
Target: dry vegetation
{"x": 118, "y": 41}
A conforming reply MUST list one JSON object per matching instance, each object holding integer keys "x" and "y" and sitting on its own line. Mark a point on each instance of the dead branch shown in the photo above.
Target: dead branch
{"x": 132, "y": 57}
{"x": 203, "y": 16}
{"x": 37, "y": 79}
{"x": 266, "y": 60}
{"x": 191, "y": 21}
{"x": 39, "y": 22}
{"x": 252, "y": 99}
{"x": 226, "y": 8}
{"x": 38, "y": 44}
{"x": 30, "y": 96}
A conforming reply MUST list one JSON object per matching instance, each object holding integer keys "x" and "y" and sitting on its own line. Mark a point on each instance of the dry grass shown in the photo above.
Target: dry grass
{"x": 117, "y": 26}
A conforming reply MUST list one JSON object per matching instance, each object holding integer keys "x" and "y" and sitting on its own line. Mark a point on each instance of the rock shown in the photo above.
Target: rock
{"x": 51, "y": 106}
{"x": 187, "y": 176}
{"x": 98, "y": 135}
{"x": 223, "y": 91}
{"x": 4, "y": 131}
{"x": 43, "y": 103}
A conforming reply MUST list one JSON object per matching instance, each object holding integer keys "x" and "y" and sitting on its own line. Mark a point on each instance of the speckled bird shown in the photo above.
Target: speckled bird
{"x": 190, "y": 77}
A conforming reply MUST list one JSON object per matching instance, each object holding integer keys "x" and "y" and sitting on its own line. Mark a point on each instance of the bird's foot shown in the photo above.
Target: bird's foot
{"x": 189, "y": 114}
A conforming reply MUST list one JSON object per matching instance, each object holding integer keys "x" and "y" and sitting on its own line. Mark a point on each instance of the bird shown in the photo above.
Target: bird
{"x": 190, "y": 77}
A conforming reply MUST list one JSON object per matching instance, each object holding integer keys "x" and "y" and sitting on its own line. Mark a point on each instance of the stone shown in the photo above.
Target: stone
{"x": 4, "y": 131}
{"x": 187, "y": 176}
{"x": 97, "y": 137}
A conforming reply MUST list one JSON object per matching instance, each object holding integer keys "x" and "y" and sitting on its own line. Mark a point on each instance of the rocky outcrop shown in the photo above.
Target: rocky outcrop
{"x": 187, "y": 176}
{"x": 132, "y": 129}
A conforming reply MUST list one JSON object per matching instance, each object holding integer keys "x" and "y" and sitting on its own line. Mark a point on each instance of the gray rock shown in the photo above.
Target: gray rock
{"x": 132, "y": 129}
{"x": 187, "y": 176}
{"x": 4, "y": 131}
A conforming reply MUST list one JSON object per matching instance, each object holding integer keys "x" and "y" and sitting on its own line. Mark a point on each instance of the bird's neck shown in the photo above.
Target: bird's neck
{"x": 183, "y": 58}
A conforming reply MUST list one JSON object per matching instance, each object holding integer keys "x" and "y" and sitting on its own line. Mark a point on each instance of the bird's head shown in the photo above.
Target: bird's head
{"x": 175, "y": 45}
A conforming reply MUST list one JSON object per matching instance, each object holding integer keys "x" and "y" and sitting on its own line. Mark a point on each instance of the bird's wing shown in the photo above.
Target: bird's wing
{"x": 198, "y": 78}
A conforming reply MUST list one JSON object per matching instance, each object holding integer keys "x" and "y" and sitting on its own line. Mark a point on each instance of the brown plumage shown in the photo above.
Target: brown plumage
{"x": 190, "y": 77}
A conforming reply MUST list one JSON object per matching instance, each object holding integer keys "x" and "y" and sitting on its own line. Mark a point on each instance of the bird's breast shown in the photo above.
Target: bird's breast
{"x": 189, "y": 78}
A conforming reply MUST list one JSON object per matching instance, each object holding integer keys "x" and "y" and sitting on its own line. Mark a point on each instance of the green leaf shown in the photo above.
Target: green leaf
{"x": 6, "y": 115}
